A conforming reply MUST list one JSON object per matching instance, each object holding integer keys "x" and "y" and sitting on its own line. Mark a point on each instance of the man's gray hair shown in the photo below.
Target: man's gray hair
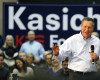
{"x": 88, "y": 19}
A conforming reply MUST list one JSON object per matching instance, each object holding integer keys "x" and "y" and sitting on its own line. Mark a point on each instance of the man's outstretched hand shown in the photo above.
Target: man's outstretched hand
{"x": 55, "y": 50}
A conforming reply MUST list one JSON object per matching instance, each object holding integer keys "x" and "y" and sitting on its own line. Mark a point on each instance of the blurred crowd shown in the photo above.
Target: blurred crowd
{"x": 31, "y": 62}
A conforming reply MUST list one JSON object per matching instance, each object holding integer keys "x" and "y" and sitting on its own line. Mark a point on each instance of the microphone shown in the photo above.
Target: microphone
{"x": 92, "y": 51}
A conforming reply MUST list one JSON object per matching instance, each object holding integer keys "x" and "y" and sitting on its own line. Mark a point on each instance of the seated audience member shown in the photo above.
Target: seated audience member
{"x": 23, "y": 72}
{"x": 30, "y": 59}
{"x": 56, "y": 69}
{"x": 95, "y": 34}
{"x": 45, "y": 54}
{"x": 43, "y": 64}
{"x": 65, "y": 71}
{"x": 48, "y": 60}
{"x": 10, "y": 51}
{"x": 4, "y": 72}
{"x": 41, "y": 70}
{"x": 23, "y": 56}
{"x": 33, "y": 47}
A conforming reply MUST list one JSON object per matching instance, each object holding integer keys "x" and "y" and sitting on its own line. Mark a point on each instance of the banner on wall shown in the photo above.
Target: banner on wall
{"x": 52, "y": 23}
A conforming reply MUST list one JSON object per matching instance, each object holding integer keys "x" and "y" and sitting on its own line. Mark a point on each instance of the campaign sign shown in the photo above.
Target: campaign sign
{"x": 52, "y": 23}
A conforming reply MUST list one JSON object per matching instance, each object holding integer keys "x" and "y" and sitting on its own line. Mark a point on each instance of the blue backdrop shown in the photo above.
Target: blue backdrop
{"x": 52, "y": 23}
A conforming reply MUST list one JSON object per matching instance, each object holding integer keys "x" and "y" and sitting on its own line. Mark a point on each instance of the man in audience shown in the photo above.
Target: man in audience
{"x": 41, "y": 70}
{"x": 23, "y": 55}
{"x": 48, "y": 60}
{"x": 4, "y": 72}
{"x": 65, "y": 72}
{"x": 33, "y": 47}
{"x": 45, "y": 54}
{"x": 47, "y": 63}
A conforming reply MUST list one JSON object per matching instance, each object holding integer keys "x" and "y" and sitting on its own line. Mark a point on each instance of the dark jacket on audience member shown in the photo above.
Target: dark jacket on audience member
{"x": 63, "y": 76}
{"x": 10, "y": 51}
{"x": 4, "y": 73}
{"x": 10, "y": 55}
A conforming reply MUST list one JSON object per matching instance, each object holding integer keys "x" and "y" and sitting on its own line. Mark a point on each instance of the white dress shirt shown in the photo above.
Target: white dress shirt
{"x": 77, "y": 48}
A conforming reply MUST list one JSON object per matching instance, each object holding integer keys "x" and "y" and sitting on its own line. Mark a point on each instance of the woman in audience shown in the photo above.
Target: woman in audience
{"x": 28, "y": 59}
{"x": 10, "y": 51}
{"x": 23, "y": 72}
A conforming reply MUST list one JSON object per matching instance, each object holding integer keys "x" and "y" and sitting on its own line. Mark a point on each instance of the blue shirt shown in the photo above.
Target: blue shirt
{"x": 34, "y": 47}
{"x": 52, "y": 73}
